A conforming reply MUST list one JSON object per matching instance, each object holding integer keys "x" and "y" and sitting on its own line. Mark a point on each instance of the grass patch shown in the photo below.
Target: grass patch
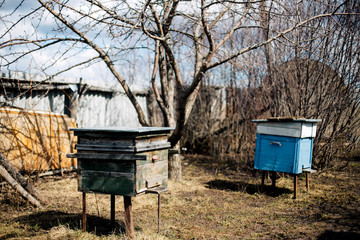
{"x": 225, "y": 205}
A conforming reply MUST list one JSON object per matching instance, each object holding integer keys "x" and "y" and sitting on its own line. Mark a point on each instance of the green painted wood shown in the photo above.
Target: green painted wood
{"x": 122, "y": 161}
{"x": 120, "y": 186}
{"x": 99, "y": 165}
{"x": 106, "y": 156}
{"x": 107, "y": 183}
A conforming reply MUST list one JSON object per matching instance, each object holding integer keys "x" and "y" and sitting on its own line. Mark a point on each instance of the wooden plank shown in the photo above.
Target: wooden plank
{"x": 279, "y": 131}
{"x": 121, "y": 132}
{"x": 114, "y": 166}
{"x": 309, "y": 170}
{"x": 149, "y": 171}
{"x": 118, "y": 184}
{"x": 161, "y": 155}
{"x": 157, "y": 190}
{"x": 96, "y": 173}
{"x": 289, "y": 129}
{"x": 123, "y": 148}
{"x": 106, "y": 156}
{"x": 154, "y": 182}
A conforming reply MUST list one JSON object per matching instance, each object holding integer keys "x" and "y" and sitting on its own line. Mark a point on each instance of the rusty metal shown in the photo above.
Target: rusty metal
{"x": 159, "y": 200}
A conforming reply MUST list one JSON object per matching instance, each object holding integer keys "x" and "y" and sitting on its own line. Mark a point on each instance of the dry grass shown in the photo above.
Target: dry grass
{"x": 227, "y": 205}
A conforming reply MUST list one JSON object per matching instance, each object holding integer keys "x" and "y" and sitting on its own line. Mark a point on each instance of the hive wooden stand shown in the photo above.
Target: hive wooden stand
{"x": 122, "y": 161}
{"x": 273, "y": 180}
{"x": 285, "y": 145}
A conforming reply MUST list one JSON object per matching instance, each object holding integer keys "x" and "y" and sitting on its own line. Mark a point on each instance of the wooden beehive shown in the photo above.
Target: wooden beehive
{"x": 122, "y": 161}
{"x": 284, "y": 145}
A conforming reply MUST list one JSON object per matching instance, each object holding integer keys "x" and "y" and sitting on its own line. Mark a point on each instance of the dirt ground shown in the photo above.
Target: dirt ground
{"x": 225, "y": 205}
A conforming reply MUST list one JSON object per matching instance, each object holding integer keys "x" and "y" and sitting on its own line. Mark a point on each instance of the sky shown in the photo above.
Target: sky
{"x": 42, "y": 25}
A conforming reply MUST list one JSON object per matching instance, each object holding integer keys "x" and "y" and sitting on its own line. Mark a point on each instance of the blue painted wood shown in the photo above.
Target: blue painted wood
{"x": 282, "y": 154}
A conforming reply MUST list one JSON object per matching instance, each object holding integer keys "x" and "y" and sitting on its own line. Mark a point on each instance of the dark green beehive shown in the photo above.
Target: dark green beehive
{"x": 122, "y": 161}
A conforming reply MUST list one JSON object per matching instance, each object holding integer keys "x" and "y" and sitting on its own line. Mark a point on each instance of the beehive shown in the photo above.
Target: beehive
{"x": 284, "y": 145}
{"x": 122, "y": 161}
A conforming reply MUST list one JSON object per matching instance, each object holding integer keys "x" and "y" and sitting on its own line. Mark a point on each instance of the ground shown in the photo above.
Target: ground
{"x": 205, "y": 205}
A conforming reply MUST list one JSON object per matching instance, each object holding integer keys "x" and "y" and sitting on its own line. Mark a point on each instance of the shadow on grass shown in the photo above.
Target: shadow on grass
{"x": 239, "y": 186}
{"x": 49, "y": 219}
{"x": 332, "y": 235}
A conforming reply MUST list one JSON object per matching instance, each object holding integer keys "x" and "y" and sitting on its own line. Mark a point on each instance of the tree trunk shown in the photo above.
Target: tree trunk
{"x": 18, "y": 188}
{"x": 20, "y": 179}
{"x": 175, "y": 171}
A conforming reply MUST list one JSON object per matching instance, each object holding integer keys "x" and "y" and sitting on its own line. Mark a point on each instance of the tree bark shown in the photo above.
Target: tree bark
{"x": 19, "y": 188}
{"x": 20, "y": 179}
{"x": 175, "y": 170}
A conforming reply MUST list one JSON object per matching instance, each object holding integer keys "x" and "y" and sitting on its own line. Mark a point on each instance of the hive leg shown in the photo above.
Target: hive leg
{"x": 307, "y": 181}
{"x": 112, "y": 210}
{"x": 84, "y": 211}
{"x": 273, "y": 179}
{"x": 129, "y": 223}
{"x": 295, "y": 185}
{"x": 262, "y": 181}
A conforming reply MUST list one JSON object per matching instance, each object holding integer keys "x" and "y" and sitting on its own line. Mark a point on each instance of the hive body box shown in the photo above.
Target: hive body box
{"x": 284, "y": 145}
{"x": 122, "y": 161}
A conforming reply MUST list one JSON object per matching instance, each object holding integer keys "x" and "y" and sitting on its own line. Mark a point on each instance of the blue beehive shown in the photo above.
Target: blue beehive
{"x": 284, "y": 145}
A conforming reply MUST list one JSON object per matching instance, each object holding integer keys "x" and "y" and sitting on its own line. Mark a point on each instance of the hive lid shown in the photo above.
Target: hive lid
{"x": 122, "y": 131}
{"x": 287, "y": 119}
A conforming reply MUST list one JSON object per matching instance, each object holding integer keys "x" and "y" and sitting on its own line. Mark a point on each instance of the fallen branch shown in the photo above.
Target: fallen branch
{"x": 5, "y": 174}
{"x": 20, "y": 179}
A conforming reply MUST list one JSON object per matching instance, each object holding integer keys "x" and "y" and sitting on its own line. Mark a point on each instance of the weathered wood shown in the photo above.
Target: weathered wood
{"x": 128, "y": 149}
{"x": 19, "y": 188}
{"x": 273, "y": 179}
{"x": 295, "y": 185}
{"x": 109, "y": 184}
{"x": 84, "y": 211}
{"x": 129, "y": 223}
{"x": 112, "y": 210}
{"x": 106, "y": 156}
{"x": 307, "y": 181}
{"x": 20, "y": 179}
{"x": 121, "y": 132}
{"x": 299, "y": 128}
{"x": 309, "y": 170}
{"x": 151, "y": 175}
{"x": 262, "y": 181}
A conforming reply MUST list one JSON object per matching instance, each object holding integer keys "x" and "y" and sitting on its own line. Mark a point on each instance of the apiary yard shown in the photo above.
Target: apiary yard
{"x": 225, "y": 205}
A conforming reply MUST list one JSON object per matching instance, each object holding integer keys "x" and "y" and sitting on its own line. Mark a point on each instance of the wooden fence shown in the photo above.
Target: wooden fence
{"x": 35, "y": 141}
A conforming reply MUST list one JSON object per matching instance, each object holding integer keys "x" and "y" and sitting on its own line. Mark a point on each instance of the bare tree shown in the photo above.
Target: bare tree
{"x": 187, "y": 42}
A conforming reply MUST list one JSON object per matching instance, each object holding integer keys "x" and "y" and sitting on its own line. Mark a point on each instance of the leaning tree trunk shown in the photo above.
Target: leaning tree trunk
{"x": 20, "y": 179}
{"x": 19, "y": 188}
